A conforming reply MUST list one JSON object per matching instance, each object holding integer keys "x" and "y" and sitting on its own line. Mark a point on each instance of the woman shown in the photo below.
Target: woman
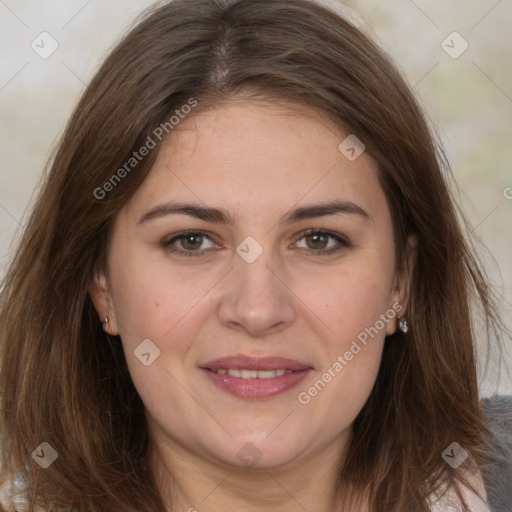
{"x": 244, "y": 284}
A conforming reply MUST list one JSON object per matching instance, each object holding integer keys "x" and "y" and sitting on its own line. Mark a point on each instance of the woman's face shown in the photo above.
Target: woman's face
{"x": 253, "y": 287}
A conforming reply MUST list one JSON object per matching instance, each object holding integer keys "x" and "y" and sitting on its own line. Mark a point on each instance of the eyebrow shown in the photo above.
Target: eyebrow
{"x": 218, "y": 216}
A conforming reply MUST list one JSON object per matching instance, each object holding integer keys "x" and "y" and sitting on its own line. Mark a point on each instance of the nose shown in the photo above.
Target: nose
{"x": 256, "y": 299}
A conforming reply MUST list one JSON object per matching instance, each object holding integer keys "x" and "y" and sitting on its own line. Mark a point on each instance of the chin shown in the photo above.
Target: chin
{"x": 257, "y": 452}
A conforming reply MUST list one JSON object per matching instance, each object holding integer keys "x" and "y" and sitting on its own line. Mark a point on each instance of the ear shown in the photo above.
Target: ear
{"x": 402, "y": 284}
{"x": 102, "y": 300}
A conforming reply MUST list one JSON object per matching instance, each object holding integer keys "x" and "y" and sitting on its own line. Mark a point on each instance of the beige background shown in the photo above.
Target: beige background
{"x": 468, "y": 99}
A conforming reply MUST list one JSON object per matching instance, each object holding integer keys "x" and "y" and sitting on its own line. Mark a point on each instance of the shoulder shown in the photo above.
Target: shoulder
{"x": 447, "y": 500}
{"x": 494, "y": 481}
{"x": 11, "y": 499}
{"x": 497, "y": 473}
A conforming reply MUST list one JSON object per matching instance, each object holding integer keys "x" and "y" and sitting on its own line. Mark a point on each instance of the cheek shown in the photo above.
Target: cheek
{"x": 352, "y": 299}
{"x": 355, "y": 345}
{"x": 354, "y": 309}
{"x": 165, "y": 305}
{"x": 150, "y": 299}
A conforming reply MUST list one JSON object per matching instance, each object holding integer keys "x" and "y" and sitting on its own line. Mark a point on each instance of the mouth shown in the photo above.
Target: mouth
{"x": 255, "y": 378}
{"x": 251, "y": 374}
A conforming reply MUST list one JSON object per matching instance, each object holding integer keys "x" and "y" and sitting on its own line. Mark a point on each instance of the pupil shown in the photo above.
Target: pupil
{"x": 191, "y": 238}
{"x": 317, "y": 238}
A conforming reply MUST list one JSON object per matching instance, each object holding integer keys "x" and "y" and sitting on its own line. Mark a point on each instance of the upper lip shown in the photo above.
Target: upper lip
{"x": 243, "y": 362}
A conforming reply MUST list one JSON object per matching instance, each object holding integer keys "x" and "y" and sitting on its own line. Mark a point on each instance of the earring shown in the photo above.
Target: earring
{"x": 403, "y": 325}
{"x": 105, "y": 323}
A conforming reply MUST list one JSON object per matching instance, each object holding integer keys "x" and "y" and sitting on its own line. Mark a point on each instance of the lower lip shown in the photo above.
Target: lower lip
{"x": 256, "y": 388}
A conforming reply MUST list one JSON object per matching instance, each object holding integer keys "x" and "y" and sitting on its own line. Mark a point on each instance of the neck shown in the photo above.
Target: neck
{"x": 189, "y": 482}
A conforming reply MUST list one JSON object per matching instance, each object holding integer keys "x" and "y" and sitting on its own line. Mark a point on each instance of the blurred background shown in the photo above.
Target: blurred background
{"x": 456, "y": 55}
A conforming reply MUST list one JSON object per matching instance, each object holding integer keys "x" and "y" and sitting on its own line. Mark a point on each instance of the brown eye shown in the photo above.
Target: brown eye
{"x": 191, "y": 243}
{"x": 318, "y": 241}
{"x": 321, "y": 242}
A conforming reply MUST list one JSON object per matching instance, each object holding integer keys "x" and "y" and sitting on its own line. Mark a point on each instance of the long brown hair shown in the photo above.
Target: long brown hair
{"x": 65, "y": 382}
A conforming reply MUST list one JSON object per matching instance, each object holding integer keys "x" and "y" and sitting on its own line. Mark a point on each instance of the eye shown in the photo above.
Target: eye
{"x": 317, "y": 240}
{"x": 190, "y": 242}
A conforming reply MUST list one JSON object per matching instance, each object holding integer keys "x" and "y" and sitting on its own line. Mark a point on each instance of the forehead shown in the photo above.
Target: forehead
{"x": 253, "y": 155}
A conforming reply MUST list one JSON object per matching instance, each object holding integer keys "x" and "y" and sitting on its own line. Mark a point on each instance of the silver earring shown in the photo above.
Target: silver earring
{"x": 403, "y": 325}
{"x": 105, "y": 323}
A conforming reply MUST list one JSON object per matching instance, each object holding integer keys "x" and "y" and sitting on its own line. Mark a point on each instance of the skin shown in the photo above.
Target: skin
{"x": 291, "y": 302}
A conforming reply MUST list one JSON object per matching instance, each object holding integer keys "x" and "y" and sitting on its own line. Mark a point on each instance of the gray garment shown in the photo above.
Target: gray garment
{"x": 498, "y": 473}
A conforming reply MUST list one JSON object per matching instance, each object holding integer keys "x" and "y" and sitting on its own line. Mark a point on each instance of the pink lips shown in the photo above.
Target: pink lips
{"x": 242, "y": 362}
{"x": 255, "y": 387}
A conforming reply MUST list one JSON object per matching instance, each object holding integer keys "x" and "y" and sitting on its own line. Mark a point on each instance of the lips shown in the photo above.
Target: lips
{"x": 253, "y": 377}
{"x": 241, "y": 362}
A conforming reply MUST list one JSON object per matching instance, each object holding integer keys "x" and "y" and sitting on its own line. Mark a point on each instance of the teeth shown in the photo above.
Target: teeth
{"x": 248, "y": 374}
{"x": 252, "y": 374}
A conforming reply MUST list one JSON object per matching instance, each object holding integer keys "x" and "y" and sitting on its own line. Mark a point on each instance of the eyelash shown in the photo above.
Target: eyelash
{"x": 343, "y": 243}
